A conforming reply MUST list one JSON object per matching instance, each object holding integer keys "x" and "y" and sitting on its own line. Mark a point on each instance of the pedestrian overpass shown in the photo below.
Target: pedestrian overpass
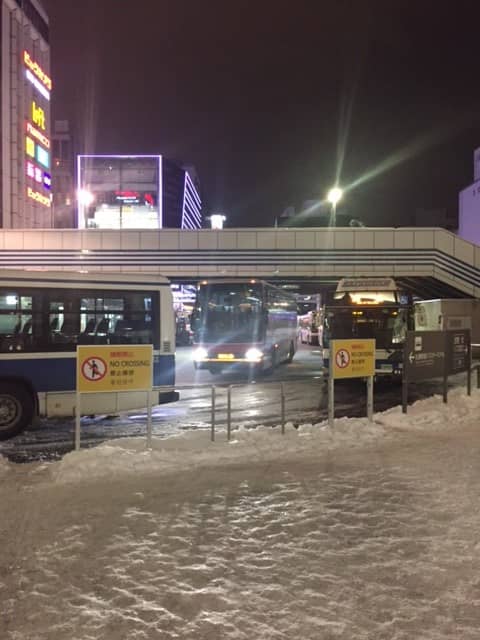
{"x": 429, "y": 261}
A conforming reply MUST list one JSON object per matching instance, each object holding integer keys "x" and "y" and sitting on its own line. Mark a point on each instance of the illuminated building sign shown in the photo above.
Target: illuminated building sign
{"x": 29, "y": 147}
{"x": 42, "y": 156}
{"x": 37, "y": 71}
{"x": 39, "y": 197}
{"x": 38, "y": 116}
{"x": 31, "y": 170}
{"x": 38, "y": 86}
{"x": 39, "y": 175}
{"x": 38, "y": 135}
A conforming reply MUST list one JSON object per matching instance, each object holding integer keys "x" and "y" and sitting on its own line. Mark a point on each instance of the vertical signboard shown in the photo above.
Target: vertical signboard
{"x": 38, "y": 177}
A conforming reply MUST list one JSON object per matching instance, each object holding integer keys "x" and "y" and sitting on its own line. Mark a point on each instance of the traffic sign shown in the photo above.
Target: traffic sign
{"x": 352, "y": 358}
{"x": 94, "y": 369}
{"x": 104, "y": 368}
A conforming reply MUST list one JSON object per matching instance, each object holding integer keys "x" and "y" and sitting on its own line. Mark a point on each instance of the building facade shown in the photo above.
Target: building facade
{"x": 63, "y": 176}
{"x": 25, "y": 91}
{"x": 469, "y": 206}
{"x": 136, "y": 192}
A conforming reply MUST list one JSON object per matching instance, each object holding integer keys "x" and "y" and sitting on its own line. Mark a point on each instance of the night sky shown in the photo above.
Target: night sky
{"x": 264, "y": 97}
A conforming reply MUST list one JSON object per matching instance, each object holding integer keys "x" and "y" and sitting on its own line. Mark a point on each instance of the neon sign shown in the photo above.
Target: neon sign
{"x": 42, "y": 156}
{"x": 39, "y": 175}
{"x": 30, "y": 147}
{"x": 38, "y": 86}
{"x": 38, "y": 116}
{"x": 39, "y": 197}
{"x": 38, "y": 135}
{"x": 37, "y": 70}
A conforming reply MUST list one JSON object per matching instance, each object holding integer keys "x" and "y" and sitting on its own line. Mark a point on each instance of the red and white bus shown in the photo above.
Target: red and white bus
{"x": 243, "y": 323}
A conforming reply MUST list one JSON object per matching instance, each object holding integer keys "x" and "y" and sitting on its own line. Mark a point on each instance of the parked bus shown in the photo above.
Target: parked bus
{"x": 45, "y": 315}
{"x": 310, "y": 327}
{"x": 243, "y": 323}
{"x": 369, "y": 308}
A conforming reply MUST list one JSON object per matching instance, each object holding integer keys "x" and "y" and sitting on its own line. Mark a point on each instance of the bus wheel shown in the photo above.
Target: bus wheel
{"x": 16, "y": 409}
{"x": 291, "y": 353}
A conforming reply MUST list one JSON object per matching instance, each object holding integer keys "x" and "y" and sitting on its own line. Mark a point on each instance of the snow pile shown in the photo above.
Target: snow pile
{"x": 192, "y": 449}
{"x": 376, "y": 539}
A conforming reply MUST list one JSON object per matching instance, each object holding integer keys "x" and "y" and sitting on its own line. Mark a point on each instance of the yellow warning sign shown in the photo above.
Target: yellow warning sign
{"x": 352, "y": 358}
{"x": 102, "y": 368}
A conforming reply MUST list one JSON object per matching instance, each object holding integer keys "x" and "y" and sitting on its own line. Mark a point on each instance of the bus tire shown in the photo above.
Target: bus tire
{"x": 16, "y": 409}
{"x": 291, "y": 353}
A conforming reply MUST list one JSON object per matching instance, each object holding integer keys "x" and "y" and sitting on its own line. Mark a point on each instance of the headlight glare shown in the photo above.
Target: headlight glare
{"x": 200, "y": 354}
{"x": 254, "y": 355}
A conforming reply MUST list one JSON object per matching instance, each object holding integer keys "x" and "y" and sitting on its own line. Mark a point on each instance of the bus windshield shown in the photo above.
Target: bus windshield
{"x": 387, "y": 325}
{"x": 229, "y": 313}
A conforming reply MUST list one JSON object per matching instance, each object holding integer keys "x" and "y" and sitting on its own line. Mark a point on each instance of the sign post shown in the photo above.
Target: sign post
{"x": 114, "y": 369}
{"x": 351, "y": 359}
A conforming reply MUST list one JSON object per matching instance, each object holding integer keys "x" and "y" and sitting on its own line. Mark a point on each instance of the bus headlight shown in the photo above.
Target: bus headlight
{"x": 254, "y": 355}
{"x": 200, "y": 354}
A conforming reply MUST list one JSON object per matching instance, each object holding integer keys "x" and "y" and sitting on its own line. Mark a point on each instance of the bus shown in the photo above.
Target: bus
{"x": 369, "y": 308}
{"x": 310, "y": 328}
{"x": 45, "y": 315}
{"x": 243, "y": 323}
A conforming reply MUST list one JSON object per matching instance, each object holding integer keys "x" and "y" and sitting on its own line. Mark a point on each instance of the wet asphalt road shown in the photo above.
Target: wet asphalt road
{"x": 253, "y": 402}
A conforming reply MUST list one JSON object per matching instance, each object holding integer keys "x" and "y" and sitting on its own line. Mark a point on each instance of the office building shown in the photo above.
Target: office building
{"x": 136, "y": 192}
{"x": 63, "y": 176}
{"x": 469, "y": 206}
{"x": 25, "y": 92}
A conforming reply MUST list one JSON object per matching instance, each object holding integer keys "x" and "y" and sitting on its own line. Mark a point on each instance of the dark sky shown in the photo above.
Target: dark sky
{"x": 262, "y": 95}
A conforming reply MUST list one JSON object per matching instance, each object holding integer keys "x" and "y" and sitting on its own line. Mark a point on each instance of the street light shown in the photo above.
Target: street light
{"x": 217, "y": 220}
{"x": 85, "y": 200}
{"x": 334, "y": 196}
{"x": 85, "y": 197}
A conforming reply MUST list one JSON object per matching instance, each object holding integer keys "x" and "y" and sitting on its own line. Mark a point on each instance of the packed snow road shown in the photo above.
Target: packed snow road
{"x": 360, "y": 531}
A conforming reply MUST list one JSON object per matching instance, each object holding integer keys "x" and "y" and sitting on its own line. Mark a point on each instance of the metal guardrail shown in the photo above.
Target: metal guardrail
{"x": 228, "y": 387}
{"x": 229, "y": 407}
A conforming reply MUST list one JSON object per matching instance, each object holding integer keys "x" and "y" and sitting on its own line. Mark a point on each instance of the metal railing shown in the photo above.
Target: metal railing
{"x": 229, "y": 407}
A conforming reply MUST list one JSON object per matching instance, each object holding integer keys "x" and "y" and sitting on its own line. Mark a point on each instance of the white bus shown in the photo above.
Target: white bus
{"x": 45, "y": 315}
{"x": 369, "y": 308}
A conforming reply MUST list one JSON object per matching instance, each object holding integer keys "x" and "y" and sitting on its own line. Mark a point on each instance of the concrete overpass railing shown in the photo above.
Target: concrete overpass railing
{"x": 252, "y": 252}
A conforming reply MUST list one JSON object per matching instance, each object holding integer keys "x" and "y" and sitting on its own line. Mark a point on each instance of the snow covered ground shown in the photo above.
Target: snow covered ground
{"x": 364, "y": 531}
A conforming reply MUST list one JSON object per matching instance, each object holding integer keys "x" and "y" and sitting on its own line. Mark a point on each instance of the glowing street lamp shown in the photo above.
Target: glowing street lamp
{"x": 85, "y": 198}
{"x": 217, "y": 220}
{"x": 334, "y": 196}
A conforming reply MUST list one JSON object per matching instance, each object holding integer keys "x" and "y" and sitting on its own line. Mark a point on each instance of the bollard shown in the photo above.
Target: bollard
{"x": 78, "y": 414}
{"x": 212, "y": 435}
{"x": 149, "y": 421}
{"x": 282, "y": 399}
{"x": 229, "y": 411}
{"x": 370, "y": 398}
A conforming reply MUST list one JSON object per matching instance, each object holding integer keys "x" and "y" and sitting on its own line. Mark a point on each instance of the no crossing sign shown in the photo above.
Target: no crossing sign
{"x": 102, "y": 368}
{"x": 94, "y": 368}
{"x": 352, "y": 358}
{"x": 342, "y": 358}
